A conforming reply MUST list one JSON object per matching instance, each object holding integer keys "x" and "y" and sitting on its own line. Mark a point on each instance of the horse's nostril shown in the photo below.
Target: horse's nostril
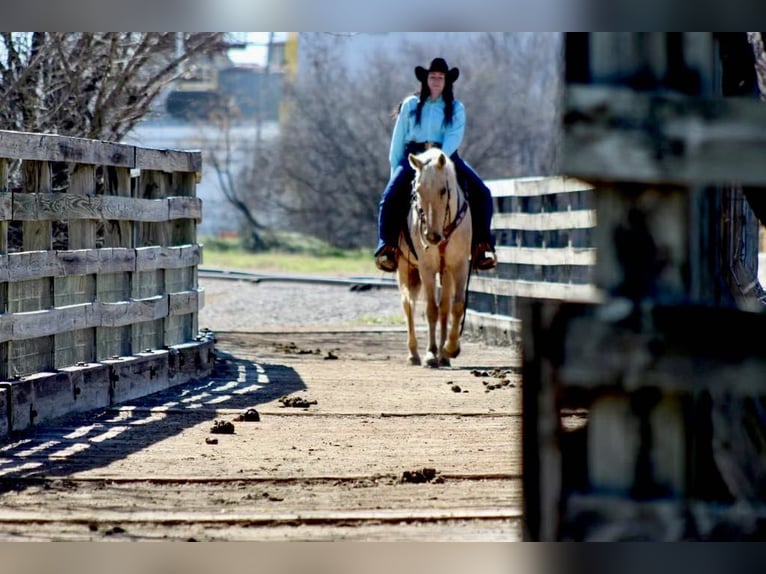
{"x": 434, "y": 237}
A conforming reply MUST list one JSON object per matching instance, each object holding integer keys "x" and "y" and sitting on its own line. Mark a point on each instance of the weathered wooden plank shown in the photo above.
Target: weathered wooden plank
{"x": 153, "y": 185}
{"x": 168, "y": 160}
{"x": 603, "y": 353}
{"x": 190, "y": 360}
{"x": 536, "y": 290}
{"x": 139, "y": 375}
{"x": 128, "y": 312}
{"x": 4, "y": 275}
{"x": 37, "y": 264}
{"x": 536, "y": 186}
{"x": 134, "y": 209}
{"x": 616, "y": 134}
{"x": 6, "y": 327}
{"x": 49, "y": 206}
{"x": 90, "y": 385}
{"x": 37, "y": 179}
{"x": 34, "y": 324}
{"x": 185, "y": 208}
{"x": 576, "y": 219}
{"x": 6, "y": 206}
{"x": 546, "y": 255}
{"x": 49, "y": 147}
{"x": 183, "y": 302}
{"x": 493, "y": 328}
{"x": 117, "y": 233}
{"x": 158, "y": 257}
{"x": 116, "y": 260}
{"x": 82, "y": 226}
{"x": 24, "y": 206}
{"x": 29, "y": 265}
{"x": 67, "y": 206}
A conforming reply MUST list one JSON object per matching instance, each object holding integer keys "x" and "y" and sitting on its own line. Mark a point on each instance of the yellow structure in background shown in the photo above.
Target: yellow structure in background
{"x": 290, "y": 75}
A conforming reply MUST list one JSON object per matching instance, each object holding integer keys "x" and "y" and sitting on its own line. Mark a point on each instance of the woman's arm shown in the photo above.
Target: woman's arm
{"x": 453, "y": 133}
{"x": 396, "y": 151}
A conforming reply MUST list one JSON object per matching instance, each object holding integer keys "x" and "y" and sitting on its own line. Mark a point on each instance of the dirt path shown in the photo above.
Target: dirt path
{"x": 379, "y": 451}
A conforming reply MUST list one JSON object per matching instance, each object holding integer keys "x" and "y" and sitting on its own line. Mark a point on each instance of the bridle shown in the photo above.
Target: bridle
{"x": 449, "y": 224}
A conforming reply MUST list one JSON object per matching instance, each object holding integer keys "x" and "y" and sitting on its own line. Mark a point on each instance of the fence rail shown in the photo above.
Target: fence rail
{"x": 98, "y": 274}
{"x": 544, "y": 239}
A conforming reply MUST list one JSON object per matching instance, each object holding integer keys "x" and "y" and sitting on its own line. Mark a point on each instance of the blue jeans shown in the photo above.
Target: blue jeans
{"x": 395, "y": 203}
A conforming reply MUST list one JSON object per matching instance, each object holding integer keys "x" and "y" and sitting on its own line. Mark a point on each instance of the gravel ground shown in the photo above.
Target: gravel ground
{"x": 246, "y": 306}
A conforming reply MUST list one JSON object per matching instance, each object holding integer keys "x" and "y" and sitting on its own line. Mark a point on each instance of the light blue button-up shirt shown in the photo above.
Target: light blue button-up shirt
{"x": 430, "y": 129}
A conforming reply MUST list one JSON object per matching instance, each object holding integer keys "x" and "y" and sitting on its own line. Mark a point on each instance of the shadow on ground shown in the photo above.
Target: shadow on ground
{"x": 96, "y": 438}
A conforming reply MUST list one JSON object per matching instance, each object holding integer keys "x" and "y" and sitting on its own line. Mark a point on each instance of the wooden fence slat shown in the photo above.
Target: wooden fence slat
{"x": 578, "y": 219}
{"x": 536, "y": 289}
{"x": 536, "y": 186}
{"x": 617, "y": 134}
{"x": 547, "y": 255}
{"x": 168, "y": 160}
{"x": 49, "y": 147}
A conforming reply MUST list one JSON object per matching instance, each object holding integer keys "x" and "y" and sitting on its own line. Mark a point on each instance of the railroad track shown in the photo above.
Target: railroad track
{"x": 355, "y": 283}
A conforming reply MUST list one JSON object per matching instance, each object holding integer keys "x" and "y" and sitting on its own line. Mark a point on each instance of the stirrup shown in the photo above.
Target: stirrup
{"x": 386, "y": 259}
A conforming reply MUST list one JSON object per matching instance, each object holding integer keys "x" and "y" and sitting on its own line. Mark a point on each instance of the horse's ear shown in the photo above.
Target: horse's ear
{"x": 442, "y": 160}
{"x": 415, "y": 162}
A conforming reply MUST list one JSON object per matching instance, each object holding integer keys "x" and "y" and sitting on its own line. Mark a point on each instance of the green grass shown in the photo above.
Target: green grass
{"x": 291, "y": 253}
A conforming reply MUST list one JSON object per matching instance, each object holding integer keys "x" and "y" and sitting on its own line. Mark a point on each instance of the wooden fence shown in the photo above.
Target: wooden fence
{"x": 644, "y": 413}
{"x": 98, "y": 274}
{"x": 544, "y": 238}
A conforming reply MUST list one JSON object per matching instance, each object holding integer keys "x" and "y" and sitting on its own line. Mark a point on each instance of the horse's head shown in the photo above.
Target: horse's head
{"x": 436, "y": 190}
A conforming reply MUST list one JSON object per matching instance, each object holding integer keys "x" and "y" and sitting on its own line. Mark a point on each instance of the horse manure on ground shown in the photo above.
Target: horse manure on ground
{"x": 222, "y": 427}
{"x": 296, "y": 402}
{"x": 419, "y": 476}
{"x": 250, "y": 415}
{"x": 292, "y": 349}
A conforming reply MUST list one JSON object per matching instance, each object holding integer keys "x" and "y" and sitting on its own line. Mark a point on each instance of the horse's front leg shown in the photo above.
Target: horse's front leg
{"x": 432, "y": 314}
{"x": 444, "y": 312}
{"x": 409, "y": 288}
{"x": 457, "y": 310}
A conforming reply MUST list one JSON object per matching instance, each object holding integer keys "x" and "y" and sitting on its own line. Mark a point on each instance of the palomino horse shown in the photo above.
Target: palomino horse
{"x": 439, "y": 224}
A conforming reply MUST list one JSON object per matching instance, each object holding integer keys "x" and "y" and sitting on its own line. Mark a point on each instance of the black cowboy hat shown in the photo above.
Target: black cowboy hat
{"x": 437, "y": 65}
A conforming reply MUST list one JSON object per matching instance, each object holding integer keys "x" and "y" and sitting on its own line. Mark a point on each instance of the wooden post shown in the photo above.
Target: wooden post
{"x": 112, "y": 287}
{"x": 665, "y": 364}
{"x": 80, "y": 345}
{"x": 152, "y": 184}
{"x": 32, "y": 355}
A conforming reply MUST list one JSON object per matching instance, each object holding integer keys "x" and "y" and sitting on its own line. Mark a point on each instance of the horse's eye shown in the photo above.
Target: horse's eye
{"x": 443, "y": 191}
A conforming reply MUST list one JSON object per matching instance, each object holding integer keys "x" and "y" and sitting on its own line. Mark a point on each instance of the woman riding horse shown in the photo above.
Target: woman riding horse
{"x": 432, "y": 118}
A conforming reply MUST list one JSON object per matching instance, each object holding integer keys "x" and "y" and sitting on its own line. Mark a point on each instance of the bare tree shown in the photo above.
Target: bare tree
{"x": 94, "y": 85}
{"x": 332, "y": 163}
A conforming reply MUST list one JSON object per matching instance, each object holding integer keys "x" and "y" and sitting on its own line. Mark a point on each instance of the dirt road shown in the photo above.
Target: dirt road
{"x": 351, "y": 443}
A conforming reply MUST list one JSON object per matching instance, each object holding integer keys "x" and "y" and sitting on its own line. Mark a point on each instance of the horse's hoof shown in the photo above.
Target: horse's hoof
{"x": 450, "y": 353}
{"x": 444, "y": 362}
{"x": 432, "y": 362}
{"x": 415, "y": 361}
